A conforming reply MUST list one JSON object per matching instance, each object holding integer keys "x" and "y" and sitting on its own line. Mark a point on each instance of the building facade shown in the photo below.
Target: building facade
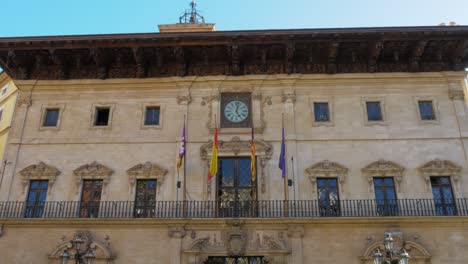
{"x": 7, "y": 106}
{"x": 375, "y": 125}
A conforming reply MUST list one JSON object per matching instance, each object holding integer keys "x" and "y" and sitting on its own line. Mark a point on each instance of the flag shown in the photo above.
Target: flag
{"x": 253, "y": 170}
{"x": 282, "y": 158}
{"x": 181, "y": 149}
{"x": 214, "y": 157}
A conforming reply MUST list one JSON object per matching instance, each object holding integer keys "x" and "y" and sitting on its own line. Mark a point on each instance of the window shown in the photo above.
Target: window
{"x": 101, "y": 116}
{"x": 321, "y": 112}
{"x": 236, "y": 190}
{"x": 328, "y": 198}
{"x": 374, "y": 111}
{"x": 152, "y": 115}
{"x": 426, "y": 110}
{"x": 145, "y": 198}
{"x": 51, "y": 117}
{"x": 385, "y": 196}
{"x": 36, "y": 199}
{"x": 90, "y": 198}
{"x": 1, "y": 113}
{"x": 443, "y": 196}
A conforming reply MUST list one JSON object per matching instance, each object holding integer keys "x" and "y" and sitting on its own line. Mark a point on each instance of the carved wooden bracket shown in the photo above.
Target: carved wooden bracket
{"x": 145, "y": 171}
{"x": 91, "y": 171}
{"x": 326, "y": 169}
{"x": 439, "y": 167}
{"x": 39, "y": 171}
{"x": 382, "y": 168}
{"x": 236, "y": 147}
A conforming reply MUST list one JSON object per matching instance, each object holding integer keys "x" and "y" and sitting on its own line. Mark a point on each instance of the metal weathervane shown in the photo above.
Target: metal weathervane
{"x": 192, "y": 16}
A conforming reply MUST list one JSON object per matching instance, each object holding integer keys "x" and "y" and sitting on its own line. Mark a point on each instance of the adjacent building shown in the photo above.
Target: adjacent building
{"x": 375, "y": 126}
{"x": 7, "y": 106}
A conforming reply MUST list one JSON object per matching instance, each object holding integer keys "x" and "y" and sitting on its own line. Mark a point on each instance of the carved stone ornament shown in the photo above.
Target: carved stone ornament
{"x": 236, "y": 240}
{"x": 439, "y": 167}
{"x": 383, "y": 168}
{"x": 93, "y": 170}
{"x": 145, "y": 171}
{"x": 288, "y": 96}
{"x": 326, "y": 169}
{"x": 100, "y": 248}
{"x": 236, "y": 147}
{"x": 39, "y": 171}
{"x": 418, "y": 254}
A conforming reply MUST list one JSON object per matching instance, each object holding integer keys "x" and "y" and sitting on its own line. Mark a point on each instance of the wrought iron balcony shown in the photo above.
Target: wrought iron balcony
{"x": 234, "y": 209}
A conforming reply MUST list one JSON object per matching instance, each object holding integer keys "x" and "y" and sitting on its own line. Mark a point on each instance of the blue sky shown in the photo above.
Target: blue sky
{"x": 65, "y": 17}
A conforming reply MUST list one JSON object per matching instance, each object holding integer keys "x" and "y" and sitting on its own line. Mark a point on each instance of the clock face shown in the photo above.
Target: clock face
{"x": 236, "y": 111}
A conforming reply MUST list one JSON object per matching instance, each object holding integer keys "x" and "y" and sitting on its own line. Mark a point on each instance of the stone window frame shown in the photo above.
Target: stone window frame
{"x": 435, "y": 108}
{"x": 44, "y": 108}
{"x": 381, "y": 100}
{"x": 38, "y": 171}
{"x": 143, "y": 114}
{"x": 442, "y": 168}
{"x": 327, "y": 169}
{"x": 146, "y": 171}
{"x": 381, "y": 169}
{"x": 4, "y": 88}
{"x": 94, "y": 106}
{"x": 92, "y": 171}
{"x": 331, "y": 119}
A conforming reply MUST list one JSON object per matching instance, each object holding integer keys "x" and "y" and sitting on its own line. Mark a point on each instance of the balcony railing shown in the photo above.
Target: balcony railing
{"x": 248, "y": 209}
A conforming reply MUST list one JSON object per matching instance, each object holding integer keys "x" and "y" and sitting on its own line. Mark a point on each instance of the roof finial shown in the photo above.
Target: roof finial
{"x": 192, "y": 16}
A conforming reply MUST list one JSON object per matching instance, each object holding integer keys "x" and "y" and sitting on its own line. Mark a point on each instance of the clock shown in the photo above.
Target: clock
{"x": 235, "y": 110}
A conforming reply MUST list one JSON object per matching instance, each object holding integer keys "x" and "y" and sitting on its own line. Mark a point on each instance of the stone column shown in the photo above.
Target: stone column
{"x": 296, "y": 233}
{"x": 175, "y": 243}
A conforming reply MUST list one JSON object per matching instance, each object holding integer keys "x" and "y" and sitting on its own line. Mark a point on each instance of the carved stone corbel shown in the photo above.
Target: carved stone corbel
{"x": 289, "y": 96}
{"x": 176, "y": 232}
{"x": 39, "y": 171}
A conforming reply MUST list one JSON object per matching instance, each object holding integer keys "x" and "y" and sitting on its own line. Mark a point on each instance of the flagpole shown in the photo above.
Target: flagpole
{"x": 184, "y": 196}
{"x": 286, "y": 194}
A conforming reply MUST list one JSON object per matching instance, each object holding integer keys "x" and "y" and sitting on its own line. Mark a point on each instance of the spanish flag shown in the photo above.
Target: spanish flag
{"x": 214, "y": 157}
{"x": 253, "y": 170}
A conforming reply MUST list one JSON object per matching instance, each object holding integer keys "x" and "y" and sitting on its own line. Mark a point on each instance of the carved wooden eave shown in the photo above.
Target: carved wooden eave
{"x": 39, "y": 171}
{"x": 326, "y": 169}
{"x": 383, "y": 168}
{"x": 439, "y": 167}
{"x": 93, "y": 170}
{"x": 304, "y": 51}
{"x": 146, "y": 170}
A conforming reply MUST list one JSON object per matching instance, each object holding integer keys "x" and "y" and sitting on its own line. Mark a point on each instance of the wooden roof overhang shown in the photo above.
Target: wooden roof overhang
{"x": 306, "y": 51}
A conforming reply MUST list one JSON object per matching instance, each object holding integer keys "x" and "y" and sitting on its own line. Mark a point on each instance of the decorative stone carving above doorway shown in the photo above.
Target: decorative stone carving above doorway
{"x": 326, "y": 169}
{"x": 236, "y": 240}
{"x": 237, "y": 147}
{"x": 439, "y": 167}
{"x": 92, "y": 171}
{"x": 100, "y": 248}
{"x": 418, "y": 254}
{"x": 39, "y": 171}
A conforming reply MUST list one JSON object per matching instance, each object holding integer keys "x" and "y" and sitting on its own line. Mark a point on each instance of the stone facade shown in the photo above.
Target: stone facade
{"x": 348, "y": 148}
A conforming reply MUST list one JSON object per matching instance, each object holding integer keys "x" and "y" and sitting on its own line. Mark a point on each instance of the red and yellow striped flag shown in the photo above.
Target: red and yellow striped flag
{"x": 214, "y": 157}
{"x": 253, "y": 167}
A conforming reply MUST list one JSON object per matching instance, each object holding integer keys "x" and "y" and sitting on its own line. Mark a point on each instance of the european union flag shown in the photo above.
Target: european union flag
{"x": 282, "y": 157}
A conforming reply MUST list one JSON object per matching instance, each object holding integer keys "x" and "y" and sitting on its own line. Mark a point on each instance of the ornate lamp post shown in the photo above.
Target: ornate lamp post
{"x": 390, "y": 256}
{"x": 82, "y": 255}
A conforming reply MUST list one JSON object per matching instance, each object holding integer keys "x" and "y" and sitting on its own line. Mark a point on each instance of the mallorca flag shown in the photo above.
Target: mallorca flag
{"x": 214, "y": 157}
{"x": 181, "y": 150}
{"x": 253, "y": 170}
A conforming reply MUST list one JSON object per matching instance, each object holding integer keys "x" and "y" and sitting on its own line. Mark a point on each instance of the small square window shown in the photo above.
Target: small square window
{"x": 152, "y": 115}
{"x": 101, "y": 116}
{"x": 374, "y": 111}
{"x": 426, "y": 110}
{"x": 51, "y": 117}
{"x": 321, "y": 112}
{"x": 4, "y": 90}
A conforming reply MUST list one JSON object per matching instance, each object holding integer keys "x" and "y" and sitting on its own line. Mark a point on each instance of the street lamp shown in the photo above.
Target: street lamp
{"x": 82, "y": 255}
{"x": 391, "y": 256}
